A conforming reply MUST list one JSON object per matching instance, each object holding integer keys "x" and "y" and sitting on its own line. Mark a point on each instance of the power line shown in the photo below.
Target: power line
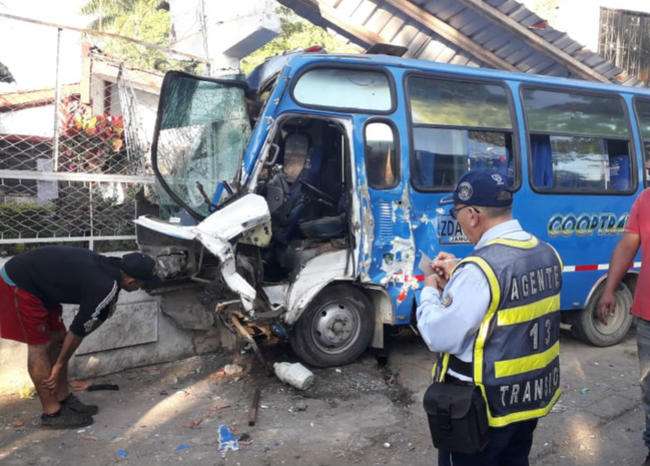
{"x": 111, "y": 35}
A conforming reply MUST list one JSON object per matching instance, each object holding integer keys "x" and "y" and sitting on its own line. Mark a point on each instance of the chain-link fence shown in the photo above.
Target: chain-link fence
{"x": 75, "y": 136}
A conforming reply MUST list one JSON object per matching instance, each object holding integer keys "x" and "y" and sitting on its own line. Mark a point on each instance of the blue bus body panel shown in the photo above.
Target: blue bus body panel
{"x": 406, "y": 223}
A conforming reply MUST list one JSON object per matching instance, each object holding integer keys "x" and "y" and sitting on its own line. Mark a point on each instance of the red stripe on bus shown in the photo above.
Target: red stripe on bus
{"x": 584, "y": 268}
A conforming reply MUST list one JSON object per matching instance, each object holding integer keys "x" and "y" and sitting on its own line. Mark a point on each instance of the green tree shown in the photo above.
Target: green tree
{"x": 144, "y": 20}
{"x": 296, "y": 33}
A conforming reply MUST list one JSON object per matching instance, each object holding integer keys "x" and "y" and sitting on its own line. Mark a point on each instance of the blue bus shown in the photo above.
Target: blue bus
{"x": 304, "y": 197}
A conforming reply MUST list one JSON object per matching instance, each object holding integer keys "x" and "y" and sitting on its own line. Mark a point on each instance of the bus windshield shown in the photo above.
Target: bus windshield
{"x": 201, "y": 135}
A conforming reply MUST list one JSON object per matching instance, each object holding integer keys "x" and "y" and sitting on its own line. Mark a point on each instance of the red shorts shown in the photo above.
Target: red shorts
{"x": 24, "y": 317}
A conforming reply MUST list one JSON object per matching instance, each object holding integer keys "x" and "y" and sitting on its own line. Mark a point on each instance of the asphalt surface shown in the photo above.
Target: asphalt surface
{"x": 362, "y": 413}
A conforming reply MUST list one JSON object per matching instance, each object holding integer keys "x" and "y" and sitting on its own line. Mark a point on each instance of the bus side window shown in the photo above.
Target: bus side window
{"x": 642, "y": 108}
{"x": 458, "y": 126}
{"x": 578, "y": 142}
{"x": 382, "y": 162}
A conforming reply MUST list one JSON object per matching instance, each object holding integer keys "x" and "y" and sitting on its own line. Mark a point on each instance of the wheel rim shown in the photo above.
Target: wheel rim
{"x": 615, "y": 321}
{"x": 335, "y": 327}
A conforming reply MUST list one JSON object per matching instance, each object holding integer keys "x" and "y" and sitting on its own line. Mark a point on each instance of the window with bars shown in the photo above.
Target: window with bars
{"x": 624, "y": 39}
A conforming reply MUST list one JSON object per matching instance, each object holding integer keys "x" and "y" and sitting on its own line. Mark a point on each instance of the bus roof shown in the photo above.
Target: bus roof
{"x": 299, "y": 60}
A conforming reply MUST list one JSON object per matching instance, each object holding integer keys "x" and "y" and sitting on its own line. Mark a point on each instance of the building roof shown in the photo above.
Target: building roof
{"x": 109, "y": 68}
{"x": 501, "y": 34}
{"x": 33, "y": 98}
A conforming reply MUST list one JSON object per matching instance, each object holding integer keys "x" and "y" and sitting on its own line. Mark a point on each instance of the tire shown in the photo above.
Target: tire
{"x": 335, "y": 329}
{"x": 589, "y": 329}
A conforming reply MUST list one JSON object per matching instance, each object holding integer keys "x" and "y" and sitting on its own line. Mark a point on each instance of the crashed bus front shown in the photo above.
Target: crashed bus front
{"x": 261, "y": 208}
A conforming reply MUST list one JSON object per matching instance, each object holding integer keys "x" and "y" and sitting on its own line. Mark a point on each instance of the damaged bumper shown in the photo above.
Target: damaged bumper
{"x": 218, "y": 232}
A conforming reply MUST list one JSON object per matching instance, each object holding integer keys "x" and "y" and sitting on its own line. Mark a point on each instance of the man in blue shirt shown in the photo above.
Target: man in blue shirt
{"x": 510, "y": 274}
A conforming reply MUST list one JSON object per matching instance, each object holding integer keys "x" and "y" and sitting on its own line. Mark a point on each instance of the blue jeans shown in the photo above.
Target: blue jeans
{"x": 643, "y": 344}
{"x": 507, "y": 446}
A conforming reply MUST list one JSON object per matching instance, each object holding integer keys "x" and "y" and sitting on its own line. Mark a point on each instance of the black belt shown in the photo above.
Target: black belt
{"x": 460, "y": 367}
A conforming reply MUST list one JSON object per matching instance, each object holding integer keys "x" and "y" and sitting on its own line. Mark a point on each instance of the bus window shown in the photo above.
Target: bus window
{"x": 382, "y": 163}
{"x": 578, "y": 142}
{"x": 458, "y": 126}
{"x": 345, "y": 88}
{"x": 643, "y": 113}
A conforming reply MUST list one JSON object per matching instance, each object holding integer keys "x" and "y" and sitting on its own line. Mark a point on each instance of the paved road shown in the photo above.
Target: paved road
{"x": 357, "y": 414}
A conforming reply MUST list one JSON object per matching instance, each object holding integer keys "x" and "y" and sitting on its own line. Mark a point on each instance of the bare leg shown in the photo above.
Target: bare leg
{"x": 54, "y": 348}
{"x": 39, "y": 367}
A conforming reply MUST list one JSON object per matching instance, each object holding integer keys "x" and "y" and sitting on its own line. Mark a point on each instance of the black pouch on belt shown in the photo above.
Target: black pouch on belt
{"x": 457, "y": 417}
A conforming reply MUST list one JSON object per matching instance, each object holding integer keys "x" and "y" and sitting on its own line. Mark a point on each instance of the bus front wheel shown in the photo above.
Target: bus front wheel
{"x": 588, "y": 328}
{"x": 335, "y": 329}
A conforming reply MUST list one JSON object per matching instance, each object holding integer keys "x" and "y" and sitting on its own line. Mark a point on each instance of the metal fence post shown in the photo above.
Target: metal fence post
{"x": 57, "y": 92}
{"x": 91, "y": 244}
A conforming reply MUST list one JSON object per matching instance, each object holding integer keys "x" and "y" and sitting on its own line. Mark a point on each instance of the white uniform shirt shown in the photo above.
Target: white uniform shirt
{"x": 449, "y": 323}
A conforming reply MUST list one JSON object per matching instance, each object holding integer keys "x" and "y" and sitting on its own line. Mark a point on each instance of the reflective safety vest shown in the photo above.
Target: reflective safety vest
{"x": 516, "y": 353}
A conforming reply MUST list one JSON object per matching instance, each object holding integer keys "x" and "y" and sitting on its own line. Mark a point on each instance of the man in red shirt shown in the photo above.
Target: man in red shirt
{"x": 637, "y": 233}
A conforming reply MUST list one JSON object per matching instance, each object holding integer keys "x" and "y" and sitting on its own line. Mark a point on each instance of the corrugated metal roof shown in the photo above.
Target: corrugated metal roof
{"x": 502, "y": 41}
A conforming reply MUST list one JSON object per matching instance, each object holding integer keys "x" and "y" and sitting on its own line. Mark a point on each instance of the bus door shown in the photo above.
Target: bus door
{"x": 386, "y": 253}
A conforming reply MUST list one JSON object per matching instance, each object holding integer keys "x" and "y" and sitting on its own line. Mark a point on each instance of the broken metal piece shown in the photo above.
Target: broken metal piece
{"x": 216, "y": 232}
{"x": 252, "y": 413}
{"x": 221, "y": 306}
{"x": 244, "y": 333}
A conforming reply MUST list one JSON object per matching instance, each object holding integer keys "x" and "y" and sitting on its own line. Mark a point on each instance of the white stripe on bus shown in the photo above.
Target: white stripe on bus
{"x": 572, "y": 268}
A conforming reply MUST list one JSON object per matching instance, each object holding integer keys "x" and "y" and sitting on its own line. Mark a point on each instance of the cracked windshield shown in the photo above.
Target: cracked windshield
{"x": 203, "y": 133}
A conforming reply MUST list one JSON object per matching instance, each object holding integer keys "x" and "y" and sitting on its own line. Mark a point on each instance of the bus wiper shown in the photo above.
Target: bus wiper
{"x": 211, "y": 206}
{"x": 228, "y": 188}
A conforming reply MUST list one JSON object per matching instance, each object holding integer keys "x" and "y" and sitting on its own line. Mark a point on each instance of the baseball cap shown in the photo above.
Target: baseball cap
{"x": 487, "y": 188}
{"x": 139, "y": 266}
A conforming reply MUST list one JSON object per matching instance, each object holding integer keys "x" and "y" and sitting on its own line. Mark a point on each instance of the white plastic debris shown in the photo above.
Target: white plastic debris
{"x": 233, "y": 369}
{"x": 295, "y": 374}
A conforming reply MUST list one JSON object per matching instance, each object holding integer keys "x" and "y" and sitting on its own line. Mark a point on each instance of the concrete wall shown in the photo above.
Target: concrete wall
{"x": 144, "y": 330}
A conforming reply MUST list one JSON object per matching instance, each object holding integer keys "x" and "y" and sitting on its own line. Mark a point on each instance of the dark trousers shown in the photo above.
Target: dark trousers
{"x": 507, "y": 446}
{"x": 643, "y": 344}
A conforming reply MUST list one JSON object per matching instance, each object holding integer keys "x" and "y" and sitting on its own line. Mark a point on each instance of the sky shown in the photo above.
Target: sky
{"x": 30, "y": 50}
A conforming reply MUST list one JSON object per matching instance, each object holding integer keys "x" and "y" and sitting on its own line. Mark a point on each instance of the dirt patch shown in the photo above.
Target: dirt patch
{"x": 396, "y": 392}
{"x": 352, "y": 382}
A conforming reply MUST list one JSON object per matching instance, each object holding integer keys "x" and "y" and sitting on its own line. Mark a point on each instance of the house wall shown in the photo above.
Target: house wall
{"x": 581, "y": 19}
{"x": 146, "y": 104}
{"x": 146, "y": 109}
{"x": 36, "y": 121}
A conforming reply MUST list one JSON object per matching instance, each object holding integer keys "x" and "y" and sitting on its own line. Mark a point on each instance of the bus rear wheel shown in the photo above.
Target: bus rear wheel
{"x": 589, "y": 329}
{"x": 335, "y": 329}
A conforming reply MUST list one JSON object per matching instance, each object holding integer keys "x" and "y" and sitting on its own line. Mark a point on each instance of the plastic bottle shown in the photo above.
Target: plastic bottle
{"x": 295, "y": 374}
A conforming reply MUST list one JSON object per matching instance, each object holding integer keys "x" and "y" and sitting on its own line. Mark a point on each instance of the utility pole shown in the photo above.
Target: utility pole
{"x": 204, "y": 33}
{"x": 227, "y": 31}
